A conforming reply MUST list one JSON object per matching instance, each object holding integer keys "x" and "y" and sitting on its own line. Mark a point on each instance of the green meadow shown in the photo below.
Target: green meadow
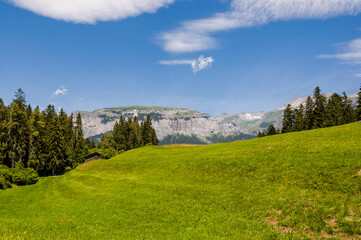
{"x": 303, "y": 185}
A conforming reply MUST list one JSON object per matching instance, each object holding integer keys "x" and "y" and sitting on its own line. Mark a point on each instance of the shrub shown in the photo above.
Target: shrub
{"x": 24, "y": 176}
{"x": 108, "y": 153}
{"x": 5, "y": 177}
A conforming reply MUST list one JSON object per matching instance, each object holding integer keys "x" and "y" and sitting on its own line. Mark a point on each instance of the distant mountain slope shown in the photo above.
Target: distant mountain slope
{"x": 182, "y": 125}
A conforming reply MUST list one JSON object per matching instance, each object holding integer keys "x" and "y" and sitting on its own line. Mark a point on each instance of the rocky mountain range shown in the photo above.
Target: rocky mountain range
{"x": 181, "y": 125}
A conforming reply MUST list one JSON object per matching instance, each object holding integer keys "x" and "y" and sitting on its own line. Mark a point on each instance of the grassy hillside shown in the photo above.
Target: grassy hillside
{"x": 291, "y": 186}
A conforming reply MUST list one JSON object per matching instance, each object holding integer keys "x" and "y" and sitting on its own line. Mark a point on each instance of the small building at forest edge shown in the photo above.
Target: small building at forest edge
{"x": 91, "y": 157}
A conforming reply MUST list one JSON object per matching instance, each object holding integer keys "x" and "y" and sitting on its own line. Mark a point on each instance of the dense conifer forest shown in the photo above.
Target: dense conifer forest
{"x": 43, "y": 143}
{"x": 318, "y": 112}
{"x": 34, "y": 142}
{"x": 127, "y": 134}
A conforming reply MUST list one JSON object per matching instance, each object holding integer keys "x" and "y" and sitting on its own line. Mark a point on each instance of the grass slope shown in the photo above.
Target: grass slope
{"x": 291, "y": 186}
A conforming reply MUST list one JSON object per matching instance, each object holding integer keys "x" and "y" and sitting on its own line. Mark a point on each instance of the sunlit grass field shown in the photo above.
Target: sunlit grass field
{"x": 290, "y": 186}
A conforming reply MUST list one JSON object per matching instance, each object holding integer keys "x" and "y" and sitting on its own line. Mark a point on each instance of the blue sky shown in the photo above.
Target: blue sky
{"x": 257, "y": 54}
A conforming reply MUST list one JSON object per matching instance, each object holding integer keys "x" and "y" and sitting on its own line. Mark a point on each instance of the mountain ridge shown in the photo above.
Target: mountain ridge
{"x": 183, "y": 125}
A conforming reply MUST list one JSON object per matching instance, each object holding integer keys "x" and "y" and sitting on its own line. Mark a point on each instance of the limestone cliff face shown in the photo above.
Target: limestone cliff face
{"x": 166, "y": 121}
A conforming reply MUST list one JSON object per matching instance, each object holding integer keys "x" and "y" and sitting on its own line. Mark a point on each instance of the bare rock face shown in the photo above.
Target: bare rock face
{"x": 166, "y": 121}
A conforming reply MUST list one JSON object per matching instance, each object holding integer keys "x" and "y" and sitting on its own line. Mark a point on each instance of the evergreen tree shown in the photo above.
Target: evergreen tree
{"x": 319, "y": 112}
{"x": 288, "y": 119}
{"x": 261, "y": 134}
{"x": 37, "y": 126}
{"x": 79, "y": 143}
{"x": 299, "y": 124}
{"x": 65, "y": 150}
{"x": 358, "y": 106}
{"x": 133, "y": 135}
{"x": 309, "y": 116}
{"x": 271, "y": 130}
{"x": 4, "y": 117}
{"x": 20, "y": 99}
{"x": 334, "y": 111}
{"x": 154, "y": 137}
{"x": 93, "y": 144}
{"x": 117, "y": 137}
{"x": 348, "y": 112}
{"x": 106, "y": 141}
{"x": 17, "y": 134}
{"x": 55, "y": 141}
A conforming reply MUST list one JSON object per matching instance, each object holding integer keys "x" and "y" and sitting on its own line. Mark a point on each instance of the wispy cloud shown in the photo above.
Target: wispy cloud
{"x": 349, "y": 52}
{"x": 197, "y": 64}
{"x": 61, "y": 91}
{"x": 90, "y": 11}
{"x": 358, "y": 75}
{"x": 196, "y": 35}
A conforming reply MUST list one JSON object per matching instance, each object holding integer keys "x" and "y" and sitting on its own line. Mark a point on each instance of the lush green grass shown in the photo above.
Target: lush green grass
{"x": 291, "y": 186}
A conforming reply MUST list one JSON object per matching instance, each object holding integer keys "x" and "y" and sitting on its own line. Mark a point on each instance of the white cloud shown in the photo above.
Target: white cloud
{"x": 197, "y": 64}
{"x": 61, "y": 91}
{"x": 349, "y": 52}
{"x": 196, "y": 35}
{"x": 90, "y": 11}
{"x": 358, "y": 75}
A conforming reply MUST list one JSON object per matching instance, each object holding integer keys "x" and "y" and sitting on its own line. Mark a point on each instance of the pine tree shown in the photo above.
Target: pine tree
{"x": 348, "y": 113}
{"x": 288, "y": 119}
{"x": 261, "y": 134}
{"x": 299, "y": 124}
{"x": 37, "y": 126}
{"x": 309, "y": 117}
{"x": 20, "y": 99}
{"x": 65, "y": 145}
{"x": 319, "y": 112}
{"x": 93, "y": 144}
{"x": 18, "y": 130}
{"x": 154, "y": 137}
{"x": 358, "y": 106}
{"x": 17, "y": 133}
{"x": 271, "y": 130}
{"x": 79, "y": 143}
{"x": 146, "y": 131}
{"x": 333, "y": 111}
{"x": 55, "y": 141}
{"x": 4, "y": 118}
{"x": 106, "y": 141}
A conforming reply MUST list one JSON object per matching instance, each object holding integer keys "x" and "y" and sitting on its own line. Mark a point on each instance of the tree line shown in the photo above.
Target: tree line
{"x": 46, "y": 141}
{"x": 129, "y": 134}
{"x": 318, "y": 112}
{"x": 42, "y": 143}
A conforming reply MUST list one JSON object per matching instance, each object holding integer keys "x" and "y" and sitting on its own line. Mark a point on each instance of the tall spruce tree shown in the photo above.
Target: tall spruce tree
{"x": 348, "y": 111}
{"x": 17, "y": 133}
{"x": 55, "y": 141}
{"x": 319, "y": 112}
{"x": 4, "y": 117}
{"x": 79, "y": 142}
{"x": 299, "y": 124}
{"x": 288, "y": 119}
{"x": 309, "y": 116}
{"x": 37, "y": 126}
{"x": 358, "y": 105}
{"x": 271, "y": 130}
{"x": 333, "y": 111}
